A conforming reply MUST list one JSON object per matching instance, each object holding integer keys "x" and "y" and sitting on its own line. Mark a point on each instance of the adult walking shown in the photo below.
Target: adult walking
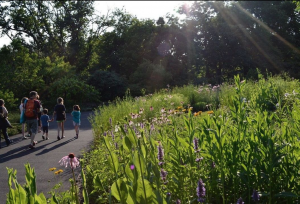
{"x": 3, "y": 124}
{"x": 60, "y": 112}
{"x": 22, "y": 119}
{"x": 39, "y": 114}
{"x": 32, "y": 108}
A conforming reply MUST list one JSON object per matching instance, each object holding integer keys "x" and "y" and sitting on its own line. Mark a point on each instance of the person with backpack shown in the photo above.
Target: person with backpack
{"x": 32, "y": 108}
{"x": 3, "y": 125}
{"x": 60, "y": 112}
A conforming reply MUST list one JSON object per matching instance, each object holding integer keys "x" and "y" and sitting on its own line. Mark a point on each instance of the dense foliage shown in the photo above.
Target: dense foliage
{"x": 159, "y": 150}
{"x": 242, "y": 146}
{"x": 60, "y": 44}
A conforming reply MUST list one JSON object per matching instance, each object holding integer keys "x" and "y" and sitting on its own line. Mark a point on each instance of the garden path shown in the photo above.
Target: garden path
{"x": 46, "y": 155}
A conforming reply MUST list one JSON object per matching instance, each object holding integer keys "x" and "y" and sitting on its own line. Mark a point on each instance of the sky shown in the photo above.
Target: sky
{"x": 140, "y": 9}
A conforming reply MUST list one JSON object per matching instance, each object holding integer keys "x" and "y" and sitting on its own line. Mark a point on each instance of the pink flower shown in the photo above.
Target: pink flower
{"x": 132, "y": 167}
{"x": 70, "y": 159}
{"x": 151, "y": 108}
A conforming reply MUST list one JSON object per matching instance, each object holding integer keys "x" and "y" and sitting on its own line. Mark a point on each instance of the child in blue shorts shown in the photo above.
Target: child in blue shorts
{"x": 45, "y": 119}
{"x": 76, "y": 119}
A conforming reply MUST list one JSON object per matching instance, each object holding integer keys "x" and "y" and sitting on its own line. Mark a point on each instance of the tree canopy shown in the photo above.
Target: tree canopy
{"x": 64, "y": 48}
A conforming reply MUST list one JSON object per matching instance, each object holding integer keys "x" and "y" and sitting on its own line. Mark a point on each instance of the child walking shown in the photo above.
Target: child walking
{"x": 60, "y": 112}
{"x": 76, "y": 119}
{"x": 45, "y": 119}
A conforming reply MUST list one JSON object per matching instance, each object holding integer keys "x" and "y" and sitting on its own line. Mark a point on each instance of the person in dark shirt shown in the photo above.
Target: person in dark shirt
{"x": 60, "y": 112}
{"x": 3, "y": 126}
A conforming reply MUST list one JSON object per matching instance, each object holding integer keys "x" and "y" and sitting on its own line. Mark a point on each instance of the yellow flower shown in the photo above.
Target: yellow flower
{"x": 179, "y": 107}
{"x": 58, "y": 172}
{"x": 199, "y": 113}
{"x": 52, "y": 169}
{"x": 183, "y": 110}
{"x": 210, "y": 112}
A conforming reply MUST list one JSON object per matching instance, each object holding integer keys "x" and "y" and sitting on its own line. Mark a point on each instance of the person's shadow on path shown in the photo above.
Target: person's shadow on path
{"x": 23, "y": 151}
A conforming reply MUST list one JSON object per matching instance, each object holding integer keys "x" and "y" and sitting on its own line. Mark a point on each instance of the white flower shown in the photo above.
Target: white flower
{"x": 294, "y": 92}
{"x": 116, "y": 128}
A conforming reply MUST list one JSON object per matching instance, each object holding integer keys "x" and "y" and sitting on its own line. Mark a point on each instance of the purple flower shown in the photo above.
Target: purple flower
{"x": 255, "y": 196}
{"x": 152, "y": 127}
{"x": 113, "y": 136}
{"x": 163, "y": 174}
{"x": 132, "y": 167}
{"x": 199, "y": 159}
{"x": 178, "y": 201}
{"x": 104, "y": 134}
{"x": 240, "y": 201}
{"x": 160, "y": 163}
{"x": 125, "y": 127}
{"x": 213, "y": 165}
{"x": 168, "y": 194}
{"x": 195, "y": 141}
{"x": 200, "y": 191}
{"x": 116, "y": 145}
{"x": 70, "y": 159}
{"x": 110, "y": 121}
{"x": 160, "y": 154}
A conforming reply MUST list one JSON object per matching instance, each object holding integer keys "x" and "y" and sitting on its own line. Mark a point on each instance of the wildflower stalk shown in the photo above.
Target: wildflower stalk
{"x": 139, "y": 150}
{"x": 119, "y": 192}
{"x": 76, "y": 194}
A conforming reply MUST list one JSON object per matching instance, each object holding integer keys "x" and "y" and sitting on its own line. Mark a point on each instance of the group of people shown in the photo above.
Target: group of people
{"x": 37, "y": 119}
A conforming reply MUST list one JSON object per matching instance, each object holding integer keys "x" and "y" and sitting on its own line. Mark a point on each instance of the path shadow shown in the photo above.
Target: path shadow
{"x": 54, "y": 147}
{"x": 24, "y": 150}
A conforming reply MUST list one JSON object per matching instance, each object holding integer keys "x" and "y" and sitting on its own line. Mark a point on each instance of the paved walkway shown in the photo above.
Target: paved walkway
{"x": 46, "y": 155}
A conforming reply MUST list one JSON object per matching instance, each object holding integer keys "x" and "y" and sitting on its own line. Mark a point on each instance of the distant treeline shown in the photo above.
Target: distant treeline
{"x": 65, "y": 48}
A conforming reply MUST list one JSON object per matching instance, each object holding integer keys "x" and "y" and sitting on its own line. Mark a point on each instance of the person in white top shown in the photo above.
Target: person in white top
{"x": 21, "y": 107}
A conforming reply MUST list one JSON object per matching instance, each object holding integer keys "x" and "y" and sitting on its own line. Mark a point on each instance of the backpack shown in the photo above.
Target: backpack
{"x": 30, "y": 110}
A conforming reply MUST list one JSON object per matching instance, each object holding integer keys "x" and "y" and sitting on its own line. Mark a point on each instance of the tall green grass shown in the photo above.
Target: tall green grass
{"x": 244, "y": 149}
{"x": 245, "y": 145}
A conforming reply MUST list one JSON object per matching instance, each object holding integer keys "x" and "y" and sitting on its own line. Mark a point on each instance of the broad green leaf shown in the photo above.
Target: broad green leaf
{"x": 85, "y": 196}
{"x": 183, "y": 142}
{"x": 144, "y": 191}
{"x": 143, "y": 151}
{"x": 127, "y": 144}
{"x": 132, "y": 137}
{"x": 22, "y": 194}
{"x": 119, "y": 190}
{"x": 113, "y": 161}
{"x": 130, "y": 199}
{"x": 129, "y": 172}
{"x": 139, "y": 162}
{"x": 54, "y": 200}
{"x": 97, "y": 182}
